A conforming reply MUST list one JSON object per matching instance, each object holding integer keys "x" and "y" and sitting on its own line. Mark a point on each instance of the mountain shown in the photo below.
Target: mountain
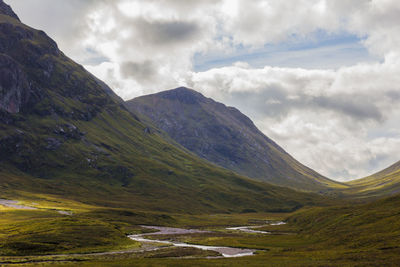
{"x": 226, "y": 137}
{"x": 64, "y": 132}
{"x": 383, "y": 183}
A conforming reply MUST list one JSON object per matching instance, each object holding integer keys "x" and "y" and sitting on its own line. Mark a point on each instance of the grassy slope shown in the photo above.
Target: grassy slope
{"x": 381, "y": 184}
{"x": 375, "y": 225}
{"x": 161, "y": 177}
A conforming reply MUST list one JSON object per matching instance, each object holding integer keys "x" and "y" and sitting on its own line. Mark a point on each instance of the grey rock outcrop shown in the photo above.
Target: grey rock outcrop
{"x": 14, "y": 86}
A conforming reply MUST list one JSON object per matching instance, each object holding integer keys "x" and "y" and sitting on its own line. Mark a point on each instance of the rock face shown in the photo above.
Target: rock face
{"x": 15, "y": 89}
{"x": 42, "y": 94}
{"x": 14, "y": 86}
{"x": 6, "y": 10}
{"x": 226, "y": 137}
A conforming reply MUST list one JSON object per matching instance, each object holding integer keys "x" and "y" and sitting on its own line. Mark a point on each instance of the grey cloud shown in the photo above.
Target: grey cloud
{"x": 184, "y": 6}
{"x": 140, "y": 71}
{"x": 393, "y": 95}
{"x": 351, "y": 105}
{"x": 110, "y": 75}
{"x": 271, "y": 102}
{"x": 276, "y": 103}
{"x": 64, "y": 21}
{"x": 167, "y": 32}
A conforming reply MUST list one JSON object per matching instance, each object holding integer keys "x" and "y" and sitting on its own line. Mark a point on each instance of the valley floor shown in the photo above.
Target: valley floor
{"x": 361, "y": 235}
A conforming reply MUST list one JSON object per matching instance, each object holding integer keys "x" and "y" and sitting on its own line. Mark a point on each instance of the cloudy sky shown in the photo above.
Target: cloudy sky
{"x": 320, "y": 77}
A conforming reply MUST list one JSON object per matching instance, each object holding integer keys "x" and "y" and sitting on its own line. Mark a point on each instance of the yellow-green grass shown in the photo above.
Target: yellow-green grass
{"x": 94, "y": 228}
{"x": 346, "y": 235}
{"x": 381, "y": 184}
{"x": 90, "y": 228}
{"x": 44, "y": 231}
{"x": 276, "y": 250}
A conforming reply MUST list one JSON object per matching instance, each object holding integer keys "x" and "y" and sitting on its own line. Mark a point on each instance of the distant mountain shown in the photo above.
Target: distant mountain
{"x": 383, "y": 183}
{"x": 226, "y": 137}
{"x": 64, "y": 132}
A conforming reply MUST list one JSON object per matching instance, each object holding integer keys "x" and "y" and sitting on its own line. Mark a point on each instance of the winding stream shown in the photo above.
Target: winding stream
{"x": 14, "y": 204}
{"x": 249, "y": 229}
{"x": 227, "y": 252}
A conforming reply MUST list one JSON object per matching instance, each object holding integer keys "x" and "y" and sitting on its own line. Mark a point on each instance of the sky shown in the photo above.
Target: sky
{"x": 320, "y": 77}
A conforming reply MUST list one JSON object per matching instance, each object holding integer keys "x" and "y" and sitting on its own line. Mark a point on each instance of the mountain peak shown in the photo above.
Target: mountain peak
{"x": 7, "y": 10}
{"x": 183, "y": 89}
{"x": 183, "y": 95}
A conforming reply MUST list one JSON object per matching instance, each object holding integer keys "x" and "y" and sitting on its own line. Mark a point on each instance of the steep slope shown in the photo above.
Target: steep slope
{"x": 383, "y": 183}
{"x": 226, "y": 137}
{"x": 64, "y": 132}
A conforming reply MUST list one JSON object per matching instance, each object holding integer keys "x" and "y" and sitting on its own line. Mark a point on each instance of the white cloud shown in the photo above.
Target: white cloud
{"x": 323, "y": 117}
{"x": 337, "y": 121}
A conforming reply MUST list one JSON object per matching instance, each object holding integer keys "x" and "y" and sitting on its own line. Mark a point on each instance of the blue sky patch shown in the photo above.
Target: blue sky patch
{"x": 318, "y": 51}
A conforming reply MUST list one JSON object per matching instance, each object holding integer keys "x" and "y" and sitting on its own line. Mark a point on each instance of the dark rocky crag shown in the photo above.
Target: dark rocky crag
{"x": 15, "y": 89}
{"x": 6, "y": 10}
